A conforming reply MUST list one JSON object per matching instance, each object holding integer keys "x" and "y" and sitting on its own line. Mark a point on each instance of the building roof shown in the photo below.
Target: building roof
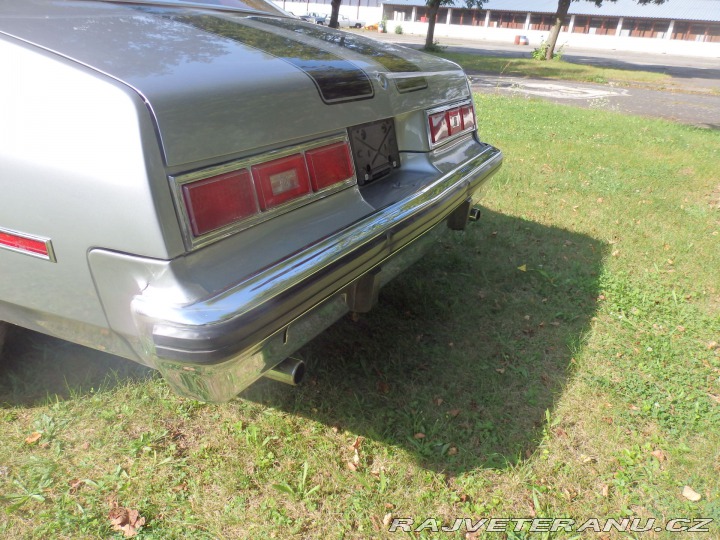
{"x": 692, "y": 10}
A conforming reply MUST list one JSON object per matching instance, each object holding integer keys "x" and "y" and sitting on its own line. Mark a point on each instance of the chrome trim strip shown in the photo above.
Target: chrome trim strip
{"x": 430, "y": 112}
{"x": 177, "y": 181}
{"x": 260, "y": 305}
{"x": 47, "y": 241}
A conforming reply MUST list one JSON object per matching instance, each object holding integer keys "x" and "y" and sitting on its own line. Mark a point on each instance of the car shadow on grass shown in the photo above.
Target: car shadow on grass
{"x": 465, "y": 352}
{"x": 37, "y": 369}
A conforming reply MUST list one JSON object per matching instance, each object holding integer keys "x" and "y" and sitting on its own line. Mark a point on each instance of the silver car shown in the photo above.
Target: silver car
{"x": 203, "y": 188}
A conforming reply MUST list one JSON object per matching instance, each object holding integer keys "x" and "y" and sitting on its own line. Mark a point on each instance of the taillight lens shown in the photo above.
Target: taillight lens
{"x": 329, "y": 165}
{"x": 281, "y": 180}
{"x": 439, "y": 127}
{"x": 468, "y": 116}
{"x": 450, "y": 122}
{"x": 454, "y": 121}
{"x": 220, "y": 200}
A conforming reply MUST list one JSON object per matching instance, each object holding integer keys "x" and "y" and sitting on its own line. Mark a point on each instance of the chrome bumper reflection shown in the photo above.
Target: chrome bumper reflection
{"x": 213, "y": 348}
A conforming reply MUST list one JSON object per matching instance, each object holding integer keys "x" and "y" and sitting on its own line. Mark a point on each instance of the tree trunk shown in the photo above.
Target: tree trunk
{"x": 562, "y": 11}
{"x": 334, "y": 13}
{"x": 434, "y": 6}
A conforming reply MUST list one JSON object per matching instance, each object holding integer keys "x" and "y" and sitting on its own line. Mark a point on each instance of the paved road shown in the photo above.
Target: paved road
{"x": 692, "y": 96}
{"x": 697, "y": 109}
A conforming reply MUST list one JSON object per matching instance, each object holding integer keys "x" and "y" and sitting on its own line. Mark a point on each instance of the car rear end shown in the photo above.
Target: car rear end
{"x": 243, "y": 181}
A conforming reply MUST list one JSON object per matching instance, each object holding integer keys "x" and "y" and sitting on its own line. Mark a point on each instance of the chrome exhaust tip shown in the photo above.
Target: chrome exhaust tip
{"x": 290, "y": 371}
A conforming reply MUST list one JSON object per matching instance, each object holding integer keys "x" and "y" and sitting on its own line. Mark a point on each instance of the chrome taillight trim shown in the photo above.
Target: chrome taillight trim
{"x": 46, "y": 241}
{"x": 435, "y": 110}
{"x": 178, "y": 181}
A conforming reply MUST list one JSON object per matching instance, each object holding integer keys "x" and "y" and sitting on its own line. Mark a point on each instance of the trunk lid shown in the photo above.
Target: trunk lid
{"x": 223, "y": 84}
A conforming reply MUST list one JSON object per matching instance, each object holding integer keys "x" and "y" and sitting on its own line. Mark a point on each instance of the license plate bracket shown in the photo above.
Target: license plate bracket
{"x": 374, "y": 149}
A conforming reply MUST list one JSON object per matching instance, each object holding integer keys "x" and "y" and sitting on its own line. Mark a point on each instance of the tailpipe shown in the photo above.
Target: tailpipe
{"x": 290, "y": 371}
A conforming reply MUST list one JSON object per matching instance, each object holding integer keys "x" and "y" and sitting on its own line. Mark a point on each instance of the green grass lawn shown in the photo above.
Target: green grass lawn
{"x": 558, "y": 359}
{"x": 555, "y": 69}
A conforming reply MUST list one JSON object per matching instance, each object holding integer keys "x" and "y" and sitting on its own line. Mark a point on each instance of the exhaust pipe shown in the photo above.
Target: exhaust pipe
{"x": 290, "y": 371}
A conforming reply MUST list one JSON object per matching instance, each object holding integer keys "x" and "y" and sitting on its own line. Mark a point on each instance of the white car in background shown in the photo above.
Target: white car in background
{"x": 346, "y": 22}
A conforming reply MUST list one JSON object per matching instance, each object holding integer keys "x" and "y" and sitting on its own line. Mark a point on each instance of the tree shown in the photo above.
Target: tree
{"x": 335, "y": 11}
{"x": 434, "y": 6}
{"x": 561, "y": 14}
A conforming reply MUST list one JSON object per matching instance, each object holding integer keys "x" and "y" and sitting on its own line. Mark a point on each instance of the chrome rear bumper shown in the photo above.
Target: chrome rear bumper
{"x": 214, "y": 348}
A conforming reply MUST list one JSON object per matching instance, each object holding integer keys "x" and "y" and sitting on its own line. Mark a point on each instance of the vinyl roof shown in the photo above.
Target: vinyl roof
{"x": 693, "y": 10}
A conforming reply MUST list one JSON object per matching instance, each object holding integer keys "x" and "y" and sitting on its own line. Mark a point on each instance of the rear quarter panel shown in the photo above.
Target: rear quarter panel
{"x": 76, "y": 152}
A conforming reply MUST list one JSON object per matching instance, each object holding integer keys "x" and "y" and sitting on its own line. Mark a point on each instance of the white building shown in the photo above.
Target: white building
{"x": 690, "y": 27}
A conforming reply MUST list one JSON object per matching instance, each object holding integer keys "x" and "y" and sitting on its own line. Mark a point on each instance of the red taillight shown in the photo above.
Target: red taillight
{"x": 220, "y": 200}
{"x": 281, "y": 180}
{"x": 439, "y": 127}
{"x": 329, "y": 165}
{"x": 468, "y": 116}
{"x": 450, "y": 122}
{"x": 23, "y": 243}
{"x": 228, "y": 198}
{"x": 454, "y": 121}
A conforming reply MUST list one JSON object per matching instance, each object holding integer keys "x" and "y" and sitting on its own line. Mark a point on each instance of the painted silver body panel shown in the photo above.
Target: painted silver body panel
{"x": 213, "y": 97}
{"x": 108, "y": 103}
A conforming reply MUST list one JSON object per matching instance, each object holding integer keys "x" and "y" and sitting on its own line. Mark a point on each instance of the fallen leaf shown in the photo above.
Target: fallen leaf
{"x": 659, "y": 455}
{"x": 383, "y": 387}
{"x": 438, "y": 401}
{"x": 352, "y": 466}
{"x": 126, "y": 521}
{"x": 419, "y": 435}
{"x": 75, "y": 485}
{"x": 714, "y": 397}
{"x": 690, "y": 494}
{"x": 500, "y": 370}
{"x": 452, "y": 451}
{"x": 615, "y": 253}
{"x": 605, "y": 490}
{"x": 680, "y": 328}
{"x": 387, "y": 519}
{"x": 389, "y": 506}
{"x": 712, "y": 345}
{"x": 454, "y": 412}
{"x": 85, "y": 445}
{"x": 464, "y": 498}
{"x": 560, "y": 432}
{"x": 358, "y": 443}
{"x": 523, "y": 268}
{"x": 34, "y": 437}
